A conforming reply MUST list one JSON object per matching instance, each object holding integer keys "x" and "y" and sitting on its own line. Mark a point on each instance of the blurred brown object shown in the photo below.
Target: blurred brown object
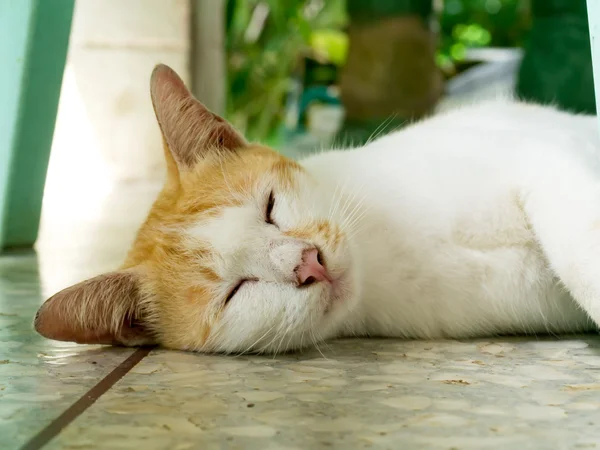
{"x": 390, "y": 72}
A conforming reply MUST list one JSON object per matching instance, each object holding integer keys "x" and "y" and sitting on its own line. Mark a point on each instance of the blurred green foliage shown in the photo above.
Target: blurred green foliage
{"x": 266, "y": 40}
{"x": 468, "y": 24}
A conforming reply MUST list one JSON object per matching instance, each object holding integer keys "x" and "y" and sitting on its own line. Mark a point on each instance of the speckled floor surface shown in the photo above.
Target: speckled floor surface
{"x": 531, "y": 393}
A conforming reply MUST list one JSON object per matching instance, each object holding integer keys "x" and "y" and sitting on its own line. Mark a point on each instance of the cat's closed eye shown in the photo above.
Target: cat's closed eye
{"x": 269, "y": 210}
{"x": 235, "y": 290}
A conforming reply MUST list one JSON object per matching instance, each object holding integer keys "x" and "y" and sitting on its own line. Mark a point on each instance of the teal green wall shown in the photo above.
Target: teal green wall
{"x": 34, "y": 36}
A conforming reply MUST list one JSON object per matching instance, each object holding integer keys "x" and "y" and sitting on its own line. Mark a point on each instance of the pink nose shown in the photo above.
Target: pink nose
{"x": 310, "y": 269}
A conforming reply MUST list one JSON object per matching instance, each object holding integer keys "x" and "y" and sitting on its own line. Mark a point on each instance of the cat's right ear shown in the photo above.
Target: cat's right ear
{"x": 189, "y": 129}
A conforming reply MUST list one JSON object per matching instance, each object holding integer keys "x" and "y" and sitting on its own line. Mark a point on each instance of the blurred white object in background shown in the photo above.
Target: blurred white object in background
{"x": 113, "y": 48}
{"x": 107, "y": 162}
{"x": 495, "y": 76}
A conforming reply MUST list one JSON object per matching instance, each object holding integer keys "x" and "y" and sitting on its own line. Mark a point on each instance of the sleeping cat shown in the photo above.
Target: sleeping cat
{"x": 479, "y": 221}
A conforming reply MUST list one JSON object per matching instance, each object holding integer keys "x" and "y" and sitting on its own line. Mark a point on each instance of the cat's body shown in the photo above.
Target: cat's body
{"x": 480, "y": 221}
{"x": 446, "y": 248}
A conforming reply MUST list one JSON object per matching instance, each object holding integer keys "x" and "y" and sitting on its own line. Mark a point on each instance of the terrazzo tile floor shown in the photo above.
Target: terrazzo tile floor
{"x": 534, "y": 393}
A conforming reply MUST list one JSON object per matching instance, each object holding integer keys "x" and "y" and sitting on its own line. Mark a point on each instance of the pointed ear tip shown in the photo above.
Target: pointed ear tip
{"x": 156, "y": 73}
{"x": 160, "y": 68}
{"x": 162, "y": 71}
{"x": 37, "y": 320}
{"x": 165, "y": 79}
{"x": 44, "y": 322}
{"x": 40, "y": 324}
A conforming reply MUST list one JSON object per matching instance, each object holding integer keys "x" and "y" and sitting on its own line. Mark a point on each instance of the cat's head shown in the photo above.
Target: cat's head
{"x": 240, "y": 251}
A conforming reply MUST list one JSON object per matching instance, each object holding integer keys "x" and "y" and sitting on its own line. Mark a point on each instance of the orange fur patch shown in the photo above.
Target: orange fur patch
{"x": 332, "y": 236}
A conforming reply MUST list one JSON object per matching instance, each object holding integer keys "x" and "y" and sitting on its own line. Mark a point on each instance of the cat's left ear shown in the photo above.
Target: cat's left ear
{"x": 106, "y": 309}
{"x": 190, "y": 130}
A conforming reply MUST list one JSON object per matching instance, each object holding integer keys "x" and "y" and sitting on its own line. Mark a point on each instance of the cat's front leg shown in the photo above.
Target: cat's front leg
{"x": 564, "y": 213}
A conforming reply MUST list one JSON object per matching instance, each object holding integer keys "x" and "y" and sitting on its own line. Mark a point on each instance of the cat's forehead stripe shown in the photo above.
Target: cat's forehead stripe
{"x": 311, "y": 229}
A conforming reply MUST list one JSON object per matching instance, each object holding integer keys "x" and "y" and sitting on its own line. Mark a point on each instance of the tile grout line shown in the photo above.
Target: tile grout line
{"x": 85, "y": 401}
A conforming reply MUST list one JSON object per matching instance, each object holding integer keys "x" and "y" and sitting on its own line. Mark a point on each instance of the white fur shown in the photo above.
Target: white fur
{"x": 480, "y": 221}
